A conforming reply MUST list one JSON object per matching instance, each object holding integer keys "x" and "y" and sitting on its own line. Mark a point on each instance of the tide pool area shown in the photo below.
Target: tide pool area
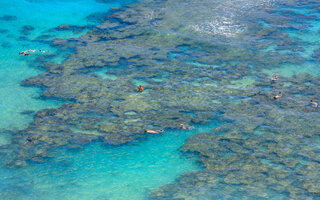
{"x": 75, "y": 126}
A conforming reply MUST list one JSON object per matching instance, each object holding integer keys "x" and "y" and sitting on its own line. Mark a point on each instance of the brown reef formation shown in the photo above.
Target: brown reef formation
{"x": 266, "y": 148}
{"x": 192, "y": 72}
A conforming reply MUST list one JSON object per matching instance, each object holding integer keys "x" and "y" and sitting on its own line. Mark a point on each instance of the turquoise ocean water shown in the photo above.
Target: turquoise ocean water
{"x": 42, "y": 16}
{"x": 98, "y": 171}
{"x": 95, "y": 172}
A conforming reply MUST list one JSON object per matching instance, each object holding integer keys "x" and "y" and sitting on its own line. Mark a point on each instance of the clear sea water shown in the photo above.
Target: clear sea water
{"x": 42, "y": 16}
{"x": 99, "y": 172}
{"x": 96, "y": 171}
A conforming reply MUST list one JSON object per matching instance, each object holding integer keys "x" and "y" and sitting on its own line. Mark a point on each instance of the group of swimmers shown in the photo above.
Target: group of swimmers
{"x": 279, "y": 95}
{"x": 30, "y": 52}
{"x": 273, "y": 80}
{"x": 140, "y": 89}
{"x": 182, "y": 126}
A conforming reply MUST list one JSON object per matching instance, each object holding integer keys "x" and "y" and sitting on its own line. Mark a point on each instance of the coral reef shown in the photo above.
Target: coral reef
{"x": 8, "y": 18}
{"x": 25, "y": 30}
{"x": 212, "y": 65}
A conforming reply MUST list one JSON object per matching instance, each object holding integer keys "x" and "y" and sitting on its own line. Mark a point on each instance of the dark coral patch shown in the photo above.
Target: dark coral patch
{"x": 8, "y": 18}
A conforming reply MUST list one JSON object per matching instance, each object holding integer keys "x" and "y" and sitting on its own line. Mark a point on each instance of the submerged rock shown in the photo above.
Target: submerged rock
{"x": 8, "y": 18}
{"x": 73, "y": 28}
{"x": 25, "y": 30}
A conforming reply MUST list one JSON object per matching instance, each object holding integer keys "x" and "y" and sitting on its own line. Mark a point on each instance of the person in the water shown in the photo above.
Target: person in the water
{"x": 275, "y": 78}
{"x": 28, "y": 140}
{"x": 154, "y": 131}
{"x": 42, "y": 51}
{"x": 27, "y": 52}
{"x": 314, "y": 103}
{"x": 140, "y": 88}
{"x": 184, "y": 127}
{"x": 277, "y": 96}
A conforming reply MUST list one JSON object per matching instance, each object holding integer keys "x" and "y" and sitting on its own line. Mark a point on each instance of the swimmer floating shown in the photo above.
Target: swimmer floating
{"x": 277, "y": 96}
{"x": 275, "y": 78}
{"x": 184, "y": 127}
{"x": 30, "y": 52}
{"x": 27, "y": 52}
{"x": 314, "y": 103}
{"x": 154, "y": 131}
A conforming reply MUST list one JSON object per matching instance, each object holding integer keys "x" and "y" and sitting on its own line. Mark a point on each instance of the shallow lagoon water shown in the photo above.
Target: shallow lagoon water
{"x": 42, "y": 16}
{"x": 97, "y": 171}
{"x": 310, "y": 37}
{"x": 131, "y": 171}
{"x": 103, "y": 172}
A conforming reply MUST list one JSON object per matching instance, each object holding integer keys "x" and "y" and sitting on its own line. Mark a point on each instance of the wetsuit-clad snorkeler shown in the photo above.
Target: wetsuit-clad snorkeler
{"x": 28, "y": 140}
{"x": 314, "y": 103}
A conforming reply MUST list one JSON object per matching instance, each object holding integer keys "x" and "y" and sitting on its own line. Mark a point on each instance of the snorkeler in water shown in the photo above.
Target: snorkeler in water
{"x": 140, "y": 88}
{"x": 277, "y": 96}
{"x": 184, "y": 127}
{"x": 314, "y": 103}
{"x": 27, "y": 52}
{"x": 153, "y": 131}
{"x": 275, "y": 78}
{"x": 42, "y": 51}
{"x": 30, "y": 52}
{"x": 28, "y": 140}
